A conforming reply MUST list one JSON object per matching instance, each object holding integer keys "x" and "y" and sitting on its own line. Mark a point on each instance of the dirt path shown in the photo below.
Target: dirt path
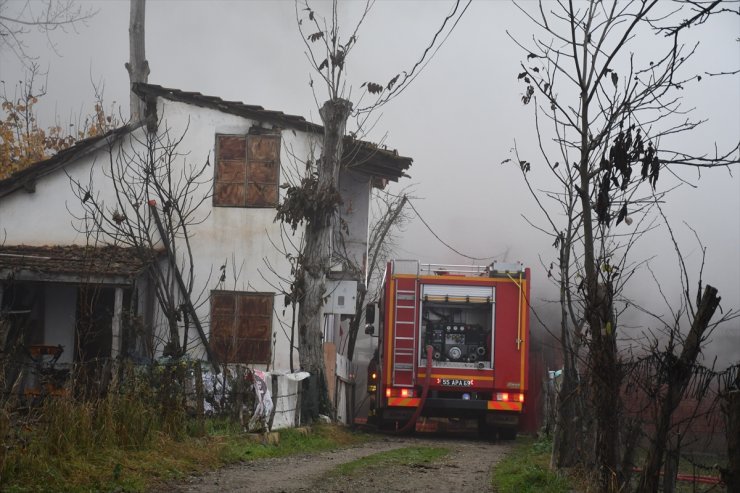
{"x": 466, "y": 468}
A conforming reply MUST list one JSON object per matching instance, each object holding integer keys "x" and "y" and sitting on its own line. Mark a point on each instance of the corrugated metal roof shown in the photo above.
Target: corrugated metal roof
{"x": 75, "y": 260}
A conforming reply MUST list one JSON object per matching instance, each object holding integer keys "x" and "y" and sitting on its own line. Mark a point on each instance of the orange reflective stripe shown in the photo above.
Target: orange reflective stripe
{"x": 504, "y": 406}
{"x": 404, "y": 401}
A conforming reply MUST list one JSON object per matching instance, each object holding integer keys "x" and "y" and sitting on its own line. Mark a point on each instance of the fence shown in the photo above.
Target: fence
{"x": 189, "y": 385}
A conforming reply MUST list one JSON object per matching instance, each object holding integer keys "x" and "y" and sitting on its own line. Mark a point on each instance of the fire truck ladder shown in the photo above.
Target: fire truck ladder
{"x": 404, "y": 331}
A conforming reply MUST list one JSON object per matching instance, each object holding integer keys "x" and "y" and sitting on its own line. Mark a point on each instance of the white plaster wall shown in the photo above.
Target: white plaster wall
{"x": 355, "y": 189}
{"x": 60, "y": 308}
{"x": 45, "y": 217}
{"x": 238, "y": 236}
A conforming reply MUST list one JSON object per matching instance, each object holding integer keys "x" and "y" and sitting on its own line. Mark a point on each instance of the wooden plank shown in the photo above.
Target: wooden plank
{"x": 330, "y": 361}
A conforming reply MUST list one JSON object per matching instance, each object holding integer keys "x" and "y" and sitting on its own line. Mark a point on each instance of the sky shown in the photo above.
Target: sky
{"x": 458, "y": 120}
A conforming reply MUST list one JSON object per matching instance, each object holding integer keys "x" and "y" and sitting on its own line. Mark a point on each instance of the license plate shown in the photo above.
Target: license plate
{"x": 456, "y": 382}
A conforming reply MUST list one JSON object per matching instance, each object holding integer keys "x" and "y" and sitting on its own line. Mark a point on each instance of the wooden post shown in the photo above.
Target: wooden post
{"x": 274, "y": 401}
{"x": 137, "y": 66}
{"x": 115, "y": 349}
{"x": 199, "y": 397}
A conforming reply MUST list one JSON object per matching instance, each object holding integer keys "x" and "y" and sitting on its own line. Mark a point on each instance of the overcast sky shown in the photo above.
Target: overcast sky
{"x": 458, "y": 120}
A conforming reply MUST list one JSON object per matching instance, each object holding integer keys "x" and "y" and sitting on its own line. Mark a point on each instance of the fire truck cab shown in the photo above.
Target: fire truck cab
{"x": 476, "y": 321}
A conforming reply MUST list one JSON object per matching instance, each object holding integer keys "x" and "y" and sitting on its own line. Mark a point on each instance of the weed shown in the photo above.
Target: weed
{"x": 407, "y": 456}
{"x": 526, "y": 470}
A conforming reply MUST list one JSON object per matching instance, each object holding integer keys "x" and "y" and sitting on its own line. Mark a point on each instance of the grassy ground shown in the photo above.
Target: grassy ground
{"x": 162, "y": 459}
{"x": 526, "y": 470}
{"x": 407, "y": 456}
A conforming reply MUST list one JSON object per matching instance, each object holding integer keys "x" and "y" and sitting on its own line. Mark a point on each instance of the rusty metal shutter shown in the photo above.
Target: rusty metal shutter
{"x": 263, "y": 170}
{"x": 241, "y": 326}
{"x": 231, "y": 171}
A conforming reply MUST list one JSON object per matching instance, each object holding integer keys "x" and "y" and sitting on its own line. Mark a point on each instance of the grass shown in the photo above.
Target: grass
{"x": 161, "y": 459}
{"x": 526, "y": 470}
{"x": 407, "y": 456}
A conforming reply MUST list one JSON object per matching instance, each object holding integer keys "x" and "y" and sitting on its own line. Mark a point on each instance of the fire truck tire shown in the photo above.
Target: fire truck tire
{"x": 486, "y": 432}
{"x": 507, "y": 433}
{"x": 384, "y": 424}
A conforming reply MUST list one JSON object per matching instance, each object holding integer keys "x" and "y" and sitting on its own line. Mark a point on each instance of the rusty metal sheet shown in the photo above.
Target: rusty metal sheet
{"x": 231, "y": 147}
{"x": 263, "y": 171}
{"x": 241, "y": 326}
{"x": 231, "y": 172}
{"x": 255, "y": 304}
{"x": 254, "y": 327}
{"x": 263, "y": 148}
{"x": 229, "y": 194}
{"x": 253, "y": 351}
{"x": 223, "y": 304}
{"x": 262, "y": 194}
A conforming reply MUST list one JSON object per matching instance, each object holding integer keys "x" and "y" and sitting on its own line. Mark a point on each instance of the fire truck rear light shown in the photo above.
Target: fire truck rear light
{"x": 374, "y": 376}
{"x": 387, "y": 392}
{"x": 404, "y": 392}
{"x": 502, "y": 396}
{"x": 521, "y": 397}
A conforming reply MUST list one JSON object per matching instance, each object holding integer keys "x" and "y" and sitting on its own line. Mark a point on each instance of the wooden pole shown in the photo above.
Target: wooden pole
{"x": 137, "y": 66}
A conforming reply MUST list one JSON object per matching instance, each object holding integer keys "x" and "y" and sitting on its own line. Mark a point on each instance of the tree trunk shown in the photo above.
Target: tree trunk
{"x": 598, "y": 312}
{"x": 137, "y": 67}
{"x": 568, "y": 440}
{"x": 678, "y": 377}
{"x": 316, "y": 263}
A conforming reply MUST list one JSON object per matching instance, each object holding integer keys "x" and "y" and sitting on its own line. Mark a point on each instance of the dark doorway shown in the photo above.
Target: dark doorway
{"x": 93, "y": 337}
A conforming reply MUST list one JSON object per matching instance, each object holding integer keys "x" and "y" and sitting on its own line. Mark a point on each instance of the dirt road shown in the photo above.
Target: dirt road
{"x": 466, "y": 468}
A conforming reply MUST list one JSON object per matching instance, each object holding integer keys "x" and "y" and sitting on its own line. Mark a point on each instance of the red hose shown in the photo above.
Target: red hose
{"x": 690, "y": 477}
{"x": 411, "y": 425}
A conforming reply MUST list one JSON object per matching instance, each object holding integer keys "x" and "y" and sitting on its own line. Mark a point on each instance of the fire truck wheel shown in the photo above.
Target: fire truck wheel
{"x": 385, "y": 424}
{"x": 507, "y": 433}
{"x": 486, "y": 432}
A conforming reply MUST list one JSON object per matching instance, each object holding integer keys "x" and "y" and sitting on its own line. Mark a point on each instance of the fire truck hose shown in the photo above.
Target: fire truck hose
{"x": 411, "y": 425}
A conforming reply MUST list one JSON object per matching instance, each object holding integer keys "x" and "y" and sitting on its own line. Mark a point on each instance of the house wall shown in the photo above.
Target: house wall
{"x": 243, "y": 239}
{"x": 355, "y": 189}
{"x": 44, "y": 217}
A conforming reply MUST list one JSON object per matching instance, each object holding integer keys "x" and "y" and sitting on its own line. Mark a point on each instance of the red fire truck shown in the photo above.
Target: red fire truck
{"x": 452, "y": 342}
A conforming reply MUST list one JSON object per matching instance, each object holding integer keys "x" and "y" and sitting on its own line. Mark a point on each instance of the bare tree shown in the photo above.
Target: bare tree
{"x": 156, "y": 200}
{"x": 609, "y": 115}
{"x": 315, "y": 203}
{"x": 45, "y": 17}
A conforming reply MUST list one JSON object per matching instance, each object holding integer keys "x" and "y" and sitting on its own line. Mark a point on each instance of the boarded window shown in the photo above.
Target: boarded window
{"x": 247, "y": 170}
{"x": 241, "y": 326}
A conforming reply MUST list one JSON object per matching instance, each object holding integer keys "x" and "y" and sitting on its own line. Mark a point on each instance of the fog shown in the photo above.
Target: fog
{"x": 458, "y": 120}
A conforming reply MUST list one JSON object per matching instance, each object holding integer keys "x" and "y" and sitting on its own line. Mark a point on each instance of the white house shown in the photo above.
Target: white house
{"x": 63, "y": 284}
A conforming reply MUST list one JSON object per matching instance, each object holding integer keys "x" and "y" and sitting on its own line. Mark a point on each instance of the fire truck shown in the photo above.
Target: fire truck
{"x": 452, "y": 343}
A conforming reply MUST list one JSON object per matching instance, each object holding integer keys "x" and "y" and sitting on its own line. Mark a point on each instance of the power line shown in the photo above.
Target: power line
{"x": 444, "y": 242}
